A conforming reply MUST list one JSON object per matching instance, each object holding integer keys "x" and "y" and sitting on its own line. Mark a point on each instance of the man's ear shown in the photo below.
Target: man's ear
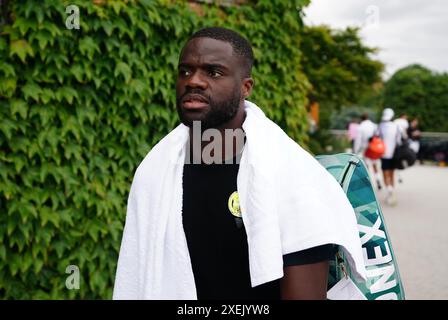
{"x": 248, "y": 84}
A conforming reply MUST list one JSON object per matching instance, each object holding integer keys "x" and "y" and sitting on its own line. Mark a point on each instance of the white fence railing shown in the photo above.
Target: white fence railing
{"x": 425, "y": 134}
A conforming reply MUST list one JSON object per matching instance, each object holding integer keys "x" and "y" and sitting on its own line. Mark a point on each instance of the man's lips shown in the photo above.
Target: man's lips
{"x": 194, "y": 102}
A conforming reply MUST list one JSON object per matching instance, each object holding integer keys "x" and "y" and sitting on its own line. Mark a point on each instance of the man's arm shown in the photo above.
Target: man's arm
{"x": 305, "y": 282}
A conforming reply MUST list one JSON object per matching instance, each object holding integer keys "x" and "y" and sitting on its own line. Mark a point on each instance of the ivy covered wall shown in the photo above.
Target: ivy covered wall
{"x": 80, "y": 108}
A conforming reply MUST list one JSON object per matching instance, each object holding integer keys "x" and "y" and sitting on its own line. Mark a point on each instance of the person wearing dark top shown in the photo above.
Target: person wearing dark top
{"x": 213, "y": 81}
{"x": 414, "y": 135}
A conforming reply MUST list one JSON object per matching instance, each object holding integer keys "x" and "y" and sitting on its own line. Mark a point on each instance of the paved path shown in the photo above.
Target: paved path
{"x": 418, "y": 228}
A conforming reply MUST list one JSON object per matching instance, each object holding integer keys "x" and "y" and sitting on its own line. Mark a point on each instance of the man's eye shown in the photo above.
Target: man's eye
{"x": 184, "y": 72}
{"x": 214, "y": 73}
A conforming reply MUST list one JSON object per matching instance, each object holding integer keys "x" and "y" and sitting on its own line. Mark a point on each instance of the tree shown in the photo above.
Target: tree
{"x": 419, "y": 92}
{"x": 338, "y": 65}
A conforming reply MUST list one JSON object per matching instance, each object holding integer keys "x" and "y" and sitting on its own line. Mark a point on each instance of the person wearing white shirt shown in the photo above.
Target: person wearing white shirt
{"x": 366, "y": 130}
{"x": 390, "y": 132}
{"x": 403, "y": 125}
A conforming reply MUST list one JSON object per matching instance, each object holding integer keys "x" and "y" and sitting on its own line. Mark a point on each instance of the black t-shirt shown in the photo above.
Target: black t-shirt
{"x": 217, "y": 240}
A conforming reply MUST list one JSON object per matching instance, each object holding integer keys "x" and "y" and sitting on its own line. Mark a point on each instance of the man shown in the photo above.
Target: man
{"x": 391, "y": 134}
{"x": 414, "y": 135}
{"x": 210, "y": 229}
{"x": 365, "y": 132}
{"x": 403, "y": 125}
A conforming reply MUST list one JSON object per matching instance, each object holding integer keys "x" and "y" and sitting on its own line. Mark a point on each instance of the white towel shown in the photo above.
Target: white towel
{"x": 288, "y": 201}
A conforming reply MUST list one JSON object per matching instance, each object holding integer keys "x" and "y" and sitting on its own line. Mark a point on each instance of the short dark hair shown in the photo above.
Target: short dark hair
{"x": 364, "y": 116}
{"x": 240, "y": 45}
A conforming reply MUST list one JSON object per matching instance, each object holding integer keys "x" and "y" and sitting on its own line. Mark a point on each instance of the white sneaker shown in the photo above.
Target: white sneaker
{"x": 391, "y": 199}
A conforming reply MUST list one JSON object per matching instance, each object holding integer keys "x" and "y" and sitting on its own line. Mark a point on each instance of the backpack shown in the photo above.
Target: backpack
{"x": 404, "y": 156}
{"x": 383, "y": 277}
{"x": 376, "y": 148}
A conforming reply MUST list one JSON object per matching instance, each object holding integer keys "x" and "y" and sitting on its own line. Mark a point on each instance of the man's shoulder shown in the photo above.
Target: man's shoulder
{"x": 367, "y": 123}
{"x": 165, "y": 150}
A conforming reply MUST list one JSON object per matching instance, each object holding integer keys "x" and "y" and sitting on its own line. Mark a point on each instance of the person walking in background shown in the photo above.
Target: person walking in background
{"x": 403, "y": 125}
{"x": 365, "y": 132}
{"x": 390, "y": 132}
{"x": 352, "y": 131}
{"x": 414, "y": 135}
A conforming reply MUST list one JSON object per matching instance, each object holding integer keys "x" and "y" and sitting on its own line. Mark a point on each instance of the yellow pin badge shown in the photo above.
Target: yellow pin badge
{"x": 234, "y": 205}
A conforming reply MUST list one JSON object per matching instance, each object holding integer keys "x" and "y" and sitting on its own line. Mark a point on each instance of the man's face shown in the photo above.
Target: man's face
{"x": 209, "y": 83}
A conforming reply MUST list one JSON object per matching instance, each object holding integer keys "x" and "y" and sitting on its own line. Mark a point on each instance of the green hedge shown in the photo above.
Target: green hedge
{"x": 81, "y": 108}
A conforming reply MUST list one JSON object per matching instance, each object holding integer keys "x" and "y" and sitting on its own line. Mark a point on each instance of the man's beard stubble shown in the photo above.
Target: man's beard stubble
{"x": 217, "y": 114}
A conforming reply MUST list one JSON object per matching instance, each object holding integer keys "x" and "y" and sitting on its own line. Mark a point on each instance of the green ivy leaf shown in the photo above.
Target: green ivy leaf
{"x": 7, "y": 69}
{"x": 144, "y": 27}
{"x": 11, "y": 225}
{"x": 124, "y": 70}
{"x": 66, "y": 93}
{"x": 24, "y": 24}
{"x": 39, "y": 12}
{"x": 88, "y": 47}
{"x": 48, "y": 215}
{"x": 7, "y": 127}
{"x": 31, "y": 90}
{"x": 14, "y": 264}
{"x": 2, "y": 253}
{"x": 78, "y": 72}
{"x": 47, "y": 95}
{"x": 117, "y": 6}
{"x": 19, "y": 163}
{"x": 38, "y": 264}
{"x": 60, "y": 247}
{"x": 26, "y": 263}
{"x": 54, "y": 29}
{"x": 20, "y": 107}
{"x": 140, "y": 86}
{"x": 22, "y": 49}
{"x": 8, "y": 87}
{"x": 108, "y": 27}
{"x": 60, "y": 60}
{"x": 43, "y": 38}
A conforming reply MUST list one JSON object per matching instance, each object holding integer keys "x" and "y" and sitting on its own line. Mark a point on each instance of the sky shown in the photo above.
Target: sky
{"x": 405, "y": 31}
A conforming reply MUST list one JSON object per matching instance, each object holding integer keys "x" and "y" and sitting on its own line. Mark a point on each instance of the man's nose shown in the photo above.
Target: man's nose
{"x": 197, "y": 81}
